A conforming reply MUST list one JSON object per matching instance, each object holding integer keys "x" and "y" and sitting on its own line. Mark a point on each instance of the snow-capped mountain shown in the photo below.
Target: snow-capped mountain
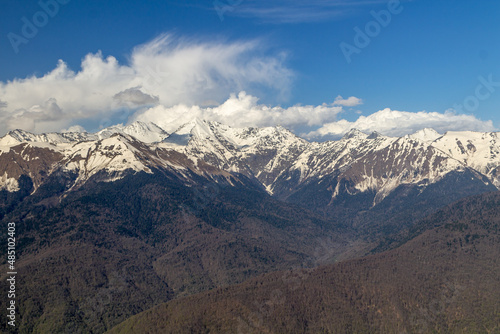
{"x": 262, "y": 153}
{"x": 111, "y": 153}
{"x": 145, "y": 132}
{"x": 283, "y": 162}
{"x": 478, "y": 150}
{"x": 19, "y": 136}
{"x": 426, "y": 135}
{"x": 285, "y": 165}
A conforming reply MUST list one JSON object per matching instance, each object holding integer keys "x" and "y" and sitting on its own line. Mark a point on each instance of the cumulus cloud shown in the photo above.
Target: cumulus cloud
{"x": 399, "y": 123}
{"x": 240, "y": 111}
{"x": 135, "y": 97}
{"x": 349, "y": 102}
{"x": 168, "y": 70}
{"x": 171, "y": 80}
{"x": 48, "y": 112}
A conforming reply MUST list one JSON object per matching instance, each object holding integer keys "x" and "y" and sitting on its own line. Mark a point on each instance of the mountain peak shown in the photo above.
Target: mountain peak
{"x": 188, "y": 127}
{"x": 375, "y": 135}
{"x": 355, "y": 133}
{"x": 15, "y": 136}
{"x": 18, "y": 136}
{"x": 196, "y": 127}
{"x": 147, "y": 132}
{"x": 425, "y": 135}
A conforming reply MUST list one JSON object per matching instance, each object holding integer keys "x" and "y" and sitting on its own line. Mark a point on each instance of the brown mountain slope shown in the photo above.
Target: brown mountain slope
{"x": 107, "y": 251}
{"x": 445, "y": 280}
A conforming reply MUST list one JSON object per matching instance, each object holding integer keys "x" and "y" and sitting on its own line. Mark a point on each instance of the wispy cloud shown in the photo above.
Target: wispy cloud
{"x": 297, "y": 11}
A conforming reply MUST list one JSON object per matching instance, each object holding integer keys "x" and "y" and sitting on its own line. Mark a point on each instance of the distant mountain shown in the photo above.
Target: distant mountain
{"x": 444, "y": 280}
{"x": 145, "y": 132}
{"x": 478, "y": 150}
{"x": 355, "y": 180}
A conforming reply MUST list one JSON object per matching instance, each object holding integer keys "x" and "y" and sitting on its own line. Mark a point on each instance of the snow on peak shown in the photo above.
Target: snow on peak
{"x": 426, "y": 135}
{"x": 238, "y": 137}
{"x": 479, "y": 150}
{"x": 13, "y": 138}
{"x": 375, "y": 135}
{"x": 145, "y": 132}
{"x": 18, "y": 136}
{"x": 355, "y": 133}
{"x": 21, "y": 135}
{"x": 196, "y": 125}
{"x": 268, "y": 153}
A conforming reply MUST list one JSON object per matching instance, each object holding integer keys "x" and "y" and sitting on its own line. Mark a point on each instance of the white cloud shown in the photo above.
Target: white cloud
{"x": 399, "y": 123}
{"x": 46, "y": 113}
{"x": 349, "y": 102}
{"x": 172, "y": 80}
{"x": 135, "y": 97}
{"x": 241, "y": 111}
{"x": 167, "y": 71}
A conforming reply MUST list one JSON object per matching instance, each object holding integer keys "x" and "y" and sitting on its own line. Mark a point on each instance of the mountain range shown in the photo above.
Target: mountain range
{"x": 355, "y": 180}
{"x": 281, "y": 162}
{"x": 116, "y": 222}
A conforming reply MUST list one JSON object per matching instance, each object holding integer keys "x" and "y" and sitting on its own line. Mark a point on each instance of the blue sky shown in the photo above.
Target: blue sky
{"x": 178, "y": 59}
